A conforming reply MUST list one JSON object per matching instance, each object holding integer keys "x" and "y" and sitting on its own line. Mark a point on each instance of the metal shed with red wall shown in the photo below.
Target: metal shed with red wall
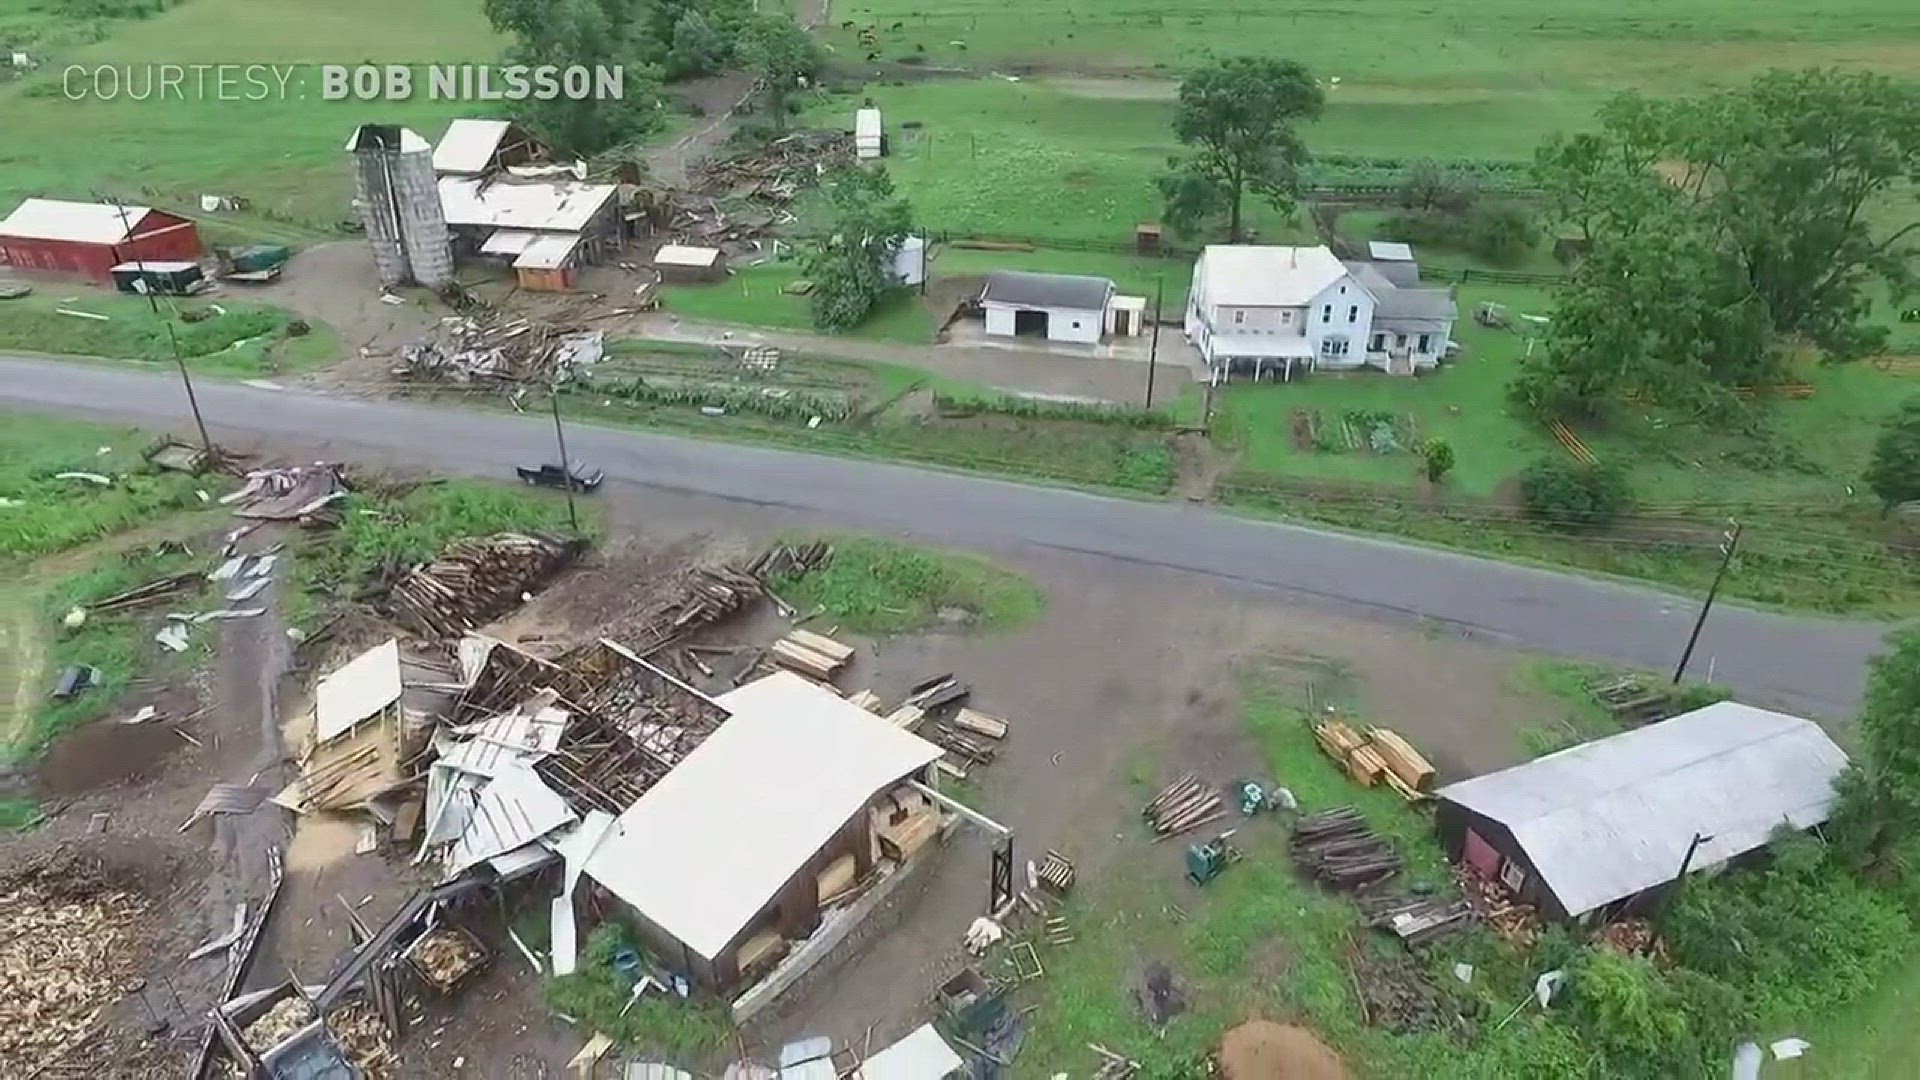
{"x": 91, "y": 238}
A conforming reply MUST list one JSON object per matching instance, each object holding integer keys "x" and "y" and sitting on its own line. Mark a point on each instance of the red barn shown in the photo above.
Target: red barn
{"x": 92, "y": 238}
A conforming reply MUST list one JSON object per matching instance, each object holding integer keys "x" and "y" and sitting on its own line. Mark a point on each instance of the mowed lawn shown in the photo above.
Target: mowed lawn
{"x": 283, "y": 155}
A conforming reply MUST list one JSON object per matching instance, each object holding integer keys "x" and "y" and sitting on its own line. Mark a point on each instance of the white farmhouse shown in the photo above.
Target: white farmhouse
{"x": 1269, "y": 312}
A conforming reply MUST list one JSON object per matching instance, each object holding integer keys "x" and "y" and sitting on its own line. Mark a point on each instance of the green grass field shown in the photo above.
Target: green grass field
{"x": 283, "y": 155}
{"x": 878, "y": 586}
{"x": 42, "y": 515}
{"x": 752, "y": 296}
{"x": 241, "y": 339}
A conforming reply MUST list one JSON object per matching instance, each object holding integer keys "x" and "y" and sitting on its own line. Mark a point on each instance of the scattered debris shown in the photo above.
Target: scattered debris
{"x": 1055, "y": 872}
{"x": 1494, "y": 904}
{"x": 89, "y": 477}
{"x": 227, "y": 940}
{"x": 446, "y": 957}
{"x": 141, "y": 595}
{"x": 175, "y": 636}
{"x": 73, "y": 679}
{"x": 1416, "y": 920}
{"x": 301, "y": 493}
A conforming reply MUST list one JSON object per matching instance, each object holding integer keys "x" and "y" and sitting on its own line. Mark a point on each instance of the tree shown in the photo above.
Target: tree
{"x": 1436, "y": 459}
{"x": 698, "y": 49}
{"x": 1428, "y": 185}
{"x": 585, "y": 32}
{"x": 1654, "y": 311}
{"x": 1778, "y": 176}
{"x": 851, "y": 264}
{"x": 1894, "y": 473}
{"x": 1236, "y": 116}
{"x": 782, "y": 58}
{"x": 1876, "y": 817}
{"x": 1568, "y": 495}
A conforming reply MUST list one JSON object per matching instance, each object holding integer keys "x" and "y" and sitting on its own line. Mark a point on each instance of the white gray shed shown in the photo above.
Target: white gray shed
{"x": 1059, "y": 307}
{"x": 1606, "y": 821}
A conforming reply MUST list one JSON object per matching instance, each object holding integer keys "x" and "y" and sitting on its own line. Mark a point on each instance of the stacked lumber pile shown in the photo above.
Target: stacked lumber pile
{"x": 1408, "y": 772}
{"x": 142, "y": 595}
{"x": 1350, "y": 749}
{"x": 967, "y": 734}
{"x": 868, "y": 700}
{"x": 1494, "y": 905}
{"x": 1340, "y": 849}
{"x": 816, "y": 656}
{"x": 784, "y": 560}
{"x": 1183, "y": 805}
{"x": 477, "y": 579}
{"x": 1379, "y": 756}
{"x": 907, "y": 717}
{"x": 1416, "y": 919}
{"x": 937, "y": 692}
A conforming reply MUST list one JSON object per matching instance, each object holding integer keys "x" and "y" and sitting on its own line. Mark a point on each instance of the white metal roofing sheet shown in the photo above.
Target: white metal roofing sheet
{"x": 866, "y": 123}
{"x": 1387, "y": 250}
{"x": 515, "y": 808}
{"x": 548, "y": 253}
{"x": 469, "y": 146}
{"x": 685, "y": 255}
{"x": 545, "y": 205}
{"x": 1610, "y": 818}
{"x": 922, "y": 1055}
{"x": 81, "y": 222}
{"x": 708, "y": 846}
{"x": 365, "y": 685}
{"x": 508, "y": 242}
{"x": 1249, "y": 275}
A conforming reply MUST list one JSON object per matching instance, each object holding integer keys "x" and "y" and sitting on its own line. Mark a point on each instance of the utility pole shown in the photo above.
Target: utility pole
{"x": 566, "y": 465}
{"x": 1153, "y": 346}
{"x": 1679, "y": 882}
{"x": 1729, "y": 543}
{"x": 166, "y": 321}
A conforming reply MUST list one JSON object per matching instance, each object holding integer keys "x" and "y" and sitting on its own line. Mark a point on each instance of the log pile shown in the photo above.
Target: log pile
{"x": 477, "y": 579}
{"x": 1632, "y": 937}
{"x": 712, "y": 593}
{"x": 1183, "y": 805}
{"x": 784, "y": 560}
{"x": 1340, "y": 849}
{"x": 969, "y": 746}
{"x": 937, "y": 692}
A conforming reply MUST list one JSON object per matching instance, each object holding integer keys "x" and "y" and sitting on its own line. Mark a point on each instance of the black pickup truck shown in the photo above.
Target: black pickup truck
{"x": 583, "y": 478}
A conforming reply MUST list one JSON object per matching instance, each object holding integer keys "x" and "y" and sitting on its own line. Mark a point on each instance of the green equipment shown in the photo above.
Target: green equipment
{"x": 1206, "y": 861}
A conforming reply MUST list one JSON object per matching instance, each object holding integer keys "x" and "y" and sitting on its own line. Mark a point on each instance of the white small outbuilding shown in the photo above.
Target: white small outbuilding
{"x": 869, "y": 136}
{"x": 1058, "y": 307}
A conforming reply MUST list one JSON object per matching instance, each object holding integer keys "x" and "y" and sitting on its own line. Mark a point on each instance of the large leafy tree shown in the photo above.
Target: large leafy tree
{"x": 1656, "y": 312}
{"x": 781, "y": 57}
{"x": 851, "y": 262}
{"x": 586, "y": 32}
{"x": 1877, "y": 818}
{"x": 1778, "y": 177}
{"x": 1894, "y": 473}
{"x": 1236, "y": 117}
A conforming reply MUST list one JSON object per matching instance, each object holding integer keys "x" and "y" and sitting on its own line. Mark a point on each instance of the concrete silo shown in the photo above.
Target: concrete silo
{"x": 398, "y": 197}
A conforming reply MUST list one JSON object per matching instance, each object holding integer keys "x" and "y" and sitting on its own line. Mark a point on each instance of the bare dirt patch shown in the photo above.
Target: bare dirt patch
{"x": 1265, "y": 1050}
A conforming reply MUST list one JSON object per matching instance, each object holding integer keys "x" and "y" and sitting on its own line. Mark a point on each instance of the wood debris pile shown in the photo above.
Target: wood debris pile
{"x": 1113, "y": 1066}
{"x": 1494, "y": 904}
{"x": 1395, "y": 994}
{"x": 489, "y": 347}
{"x": 1379, "y": 756}
{"x": 274, "y": 1026}
{"x": 1185, "y": 804}
{"x": 365, "y": 1040}
{"x": 445, "y": 956}
{"x": 1633, "y": 699}
{"x": 302, "y": 493}
{"x": 968, "y": 735}
{"x": 66, "y": 955}
{"x": 477, "y": 579}
{"x": 709, "y": 594}
{"x": 1633, "y": 937}
{"x": 1340, "y": 849}
{"x": 1416, "y": 920}
{"x": 741, "y": 196}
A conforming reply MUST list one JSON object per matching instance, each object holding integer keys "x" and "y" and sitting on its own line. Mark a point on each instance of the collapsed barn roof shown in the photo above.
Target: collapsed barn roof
{"x": 1611, "y": 818}
{"x": 540, "y": 206}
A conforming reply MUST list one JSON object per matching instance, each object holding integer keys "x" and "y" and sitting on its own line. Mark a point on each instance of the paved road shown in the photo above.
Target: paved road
{"x": 1804, "y": 663}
